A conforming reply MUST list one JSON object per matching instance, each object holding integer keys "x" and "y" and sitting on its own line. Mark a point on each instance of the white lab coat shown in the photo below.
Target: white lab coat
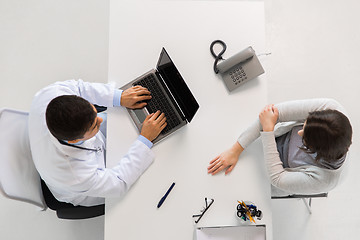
{"x": 80, "y": 176}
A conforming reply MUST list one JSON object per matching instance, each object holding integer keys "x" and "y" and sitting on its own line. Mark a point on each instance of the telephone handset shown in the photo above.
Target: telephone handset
{"x": 237, "y": 69}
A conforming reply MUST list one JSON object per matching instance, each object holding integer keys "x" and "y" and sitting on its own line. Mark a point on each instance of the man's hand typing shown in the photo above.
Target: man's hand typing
{"x": 133, "y": 97}
{"x": 153, "y": 125}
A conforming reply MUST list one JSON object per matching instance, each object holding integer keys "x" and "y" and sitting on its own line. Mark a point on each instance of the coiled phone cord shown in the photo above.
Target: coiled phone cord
{"x": 219, "y": 56}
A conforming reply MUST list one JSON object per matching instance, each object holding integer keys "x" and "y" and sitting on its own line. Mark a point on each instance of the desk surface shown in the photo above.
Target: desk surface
{"x": 186, "y": 30}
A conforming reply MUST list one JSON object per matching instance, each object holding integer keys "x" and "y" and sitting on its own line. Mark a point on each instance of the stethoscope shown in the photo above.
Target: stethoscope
{"x": 98, "y": 149}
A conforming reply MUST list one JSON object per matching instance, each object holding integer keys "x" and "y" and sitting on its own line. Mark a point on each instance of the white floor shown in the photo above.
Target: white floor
{"x": 41, "y": 42}
{"x": 314, "y": 47}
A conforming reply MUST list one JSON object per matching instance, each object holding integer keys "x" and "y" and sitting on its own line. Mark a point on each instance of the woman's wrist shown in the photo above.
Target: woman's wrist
{"x": 268, "y": 128}
{"x": 237, "y": 148}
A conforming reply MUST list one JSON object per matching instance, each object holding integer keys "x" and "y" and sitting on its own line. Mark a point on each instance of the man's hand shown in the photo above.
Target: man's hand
{"x": 131, "y": 97}
{"x": 153, "y": 125}
{"x": 227, "y": 159}
{"x": 268, "y": 117}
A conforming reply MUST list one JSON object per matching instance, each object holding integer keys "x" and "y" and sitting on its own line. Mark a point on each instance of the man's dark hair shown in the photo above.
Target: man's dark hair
{"x": 68, "y": 117}
{"x": 327, "y": 133}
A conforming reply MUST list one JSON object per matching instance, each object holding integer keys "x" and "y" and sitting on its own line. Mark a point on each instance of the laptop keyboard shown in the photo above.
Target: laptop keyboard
{"x": 159, "y": 102}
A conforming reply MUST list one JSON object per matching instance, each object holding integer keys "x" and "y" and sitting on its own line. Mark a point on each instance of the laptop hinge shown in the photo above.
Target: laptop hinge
{"x": 172, "y": 99}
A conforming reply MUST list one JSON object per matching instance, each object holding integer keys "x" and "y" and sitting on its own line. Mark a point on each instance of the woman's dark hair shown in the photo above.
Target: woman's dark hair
{"x": 327, "y": 133}
{"x": 68, "y": 117}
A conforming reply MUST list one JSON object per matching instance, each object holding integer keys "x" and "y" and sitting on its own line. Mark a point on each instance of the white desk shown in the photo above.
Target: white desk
{"x": 138, "y": 31}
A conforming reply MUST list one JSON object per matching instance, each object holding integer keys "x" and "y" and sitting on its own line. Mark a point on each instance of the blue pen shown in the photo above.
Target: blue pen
{"x": 165, "y": 196}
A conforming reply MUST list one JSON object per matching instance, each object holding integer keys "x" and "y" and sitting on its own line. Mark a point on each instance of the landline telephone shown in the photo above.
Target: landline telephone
{"x": 237, "y": 69}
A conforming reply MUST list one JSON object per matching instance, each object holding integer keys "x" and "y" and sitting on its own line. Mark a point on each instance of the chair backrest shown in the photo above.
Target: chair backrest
{"x": 19, "y": 178}
{"x": 319, "y": 195}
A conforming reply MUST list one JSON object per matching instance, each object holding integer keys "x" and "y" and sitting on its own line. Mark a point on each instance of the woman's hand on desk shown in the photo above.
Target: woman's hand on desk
{"x": 227, "y": 159}
{"x": 153, "y": 125}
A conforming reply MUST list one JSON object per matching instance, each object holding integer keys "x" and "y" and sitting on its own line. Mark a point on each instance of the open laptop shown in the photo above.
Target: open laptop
{"x": 170, "y": 95}
{"x": 239, "y": 232}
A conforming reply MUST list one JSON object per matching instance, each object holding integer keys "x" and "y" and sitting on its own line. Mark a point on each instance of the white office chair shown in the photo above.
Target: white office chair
{"x": 19, "y": 179}
{"x": 305, "y": 198}
{"x": 276, "y": 193}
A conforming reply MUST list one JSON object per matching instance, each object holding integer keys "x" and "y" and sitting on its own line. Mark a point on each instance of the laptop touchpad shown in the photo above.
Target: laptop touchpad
{"x": 140, "y": 114}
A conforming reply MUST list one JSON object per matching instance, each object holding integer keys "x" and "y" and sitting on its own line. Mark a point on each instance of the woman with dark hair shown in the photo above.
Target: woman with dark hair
{"x": 305, "y": 145}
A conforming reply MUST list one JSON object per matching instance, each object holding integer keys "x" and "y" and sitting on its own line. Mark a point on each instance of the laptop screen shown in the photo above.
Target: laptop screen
{"x": 177, "y": 85}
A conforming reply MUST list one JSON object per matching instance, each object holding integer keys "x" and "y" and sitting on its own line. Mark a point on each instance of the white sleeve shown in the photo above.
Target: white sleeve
{"x": 297, "y": 110}
{"x": 96, "y": 93}
{"x": 116, "y": 181}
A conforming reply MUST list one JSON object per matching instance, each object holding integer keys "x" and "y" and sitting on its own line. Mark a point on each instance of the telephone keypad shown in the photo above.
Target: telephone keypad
{"x": 238, "y": 75}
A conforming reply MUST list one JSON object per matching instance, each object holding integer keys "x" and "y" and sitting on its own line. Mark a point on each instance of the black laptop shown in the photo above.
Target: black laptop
{"x": 170, "y": 95}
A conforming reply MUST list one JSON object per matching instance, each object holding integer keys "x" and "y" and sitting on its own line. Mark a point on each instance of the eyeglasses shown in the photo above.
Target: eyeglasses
{"x": 207, "y": 205}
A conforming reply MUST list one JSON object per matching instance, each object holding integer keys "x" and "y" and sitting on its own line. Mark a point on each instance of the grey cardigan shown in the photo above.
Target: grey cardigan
{"x": 305, "y": 179}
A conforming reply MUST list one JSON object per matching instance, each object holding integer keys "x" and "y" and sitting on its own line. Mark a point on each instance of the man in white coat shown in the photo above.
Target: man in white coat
{"x": 69, "y": 150}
